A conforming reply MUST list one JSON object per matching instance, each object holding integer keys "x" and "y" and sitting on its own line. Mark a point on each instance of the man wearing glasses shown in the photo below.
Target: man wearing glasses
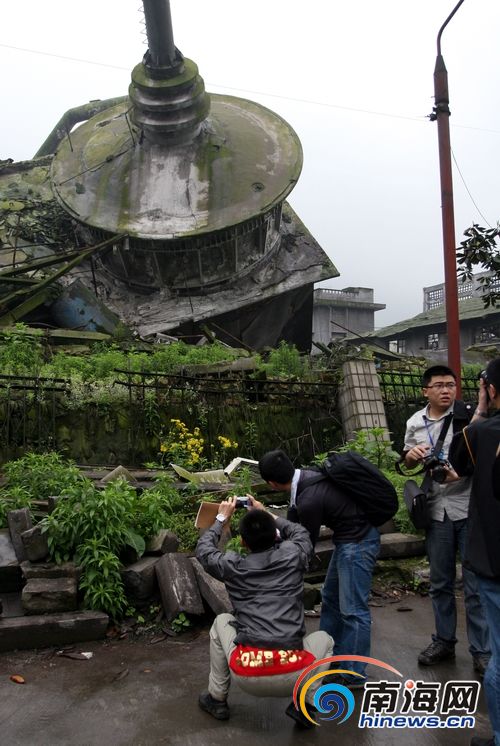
{"x": 447, "y": 532}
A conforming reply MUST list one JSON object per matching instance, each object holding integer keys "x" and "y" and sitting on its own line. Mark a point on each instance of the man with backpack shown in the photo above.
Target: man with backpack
{"x": 316, "y": 500}
{"x": 448, "y": 500}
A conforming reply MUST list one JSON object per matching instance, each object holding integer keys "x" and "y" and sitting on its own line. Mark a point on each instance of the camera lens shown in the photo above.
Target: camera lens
{"x": 439, "y": 474}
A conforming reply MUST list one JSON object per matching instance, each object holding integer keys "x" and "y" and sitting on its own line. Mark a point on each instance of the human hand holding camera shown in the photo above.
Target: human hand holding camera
{"x": 227, "y": 507}
{"x": 416, "y": 454}
{"x": 483, "y": 399}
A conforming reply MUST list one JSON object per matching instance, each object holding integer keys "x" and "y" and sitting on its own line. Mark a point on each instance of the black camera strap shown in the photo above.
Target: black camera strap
{"x": 436, "y": 450}
{"x": 427, "y": 480}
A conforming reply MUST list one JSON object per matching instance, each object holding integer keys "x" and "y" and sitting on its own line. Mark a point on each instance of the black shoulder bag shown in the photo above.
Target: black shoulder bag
{"x": 416, "y": 496}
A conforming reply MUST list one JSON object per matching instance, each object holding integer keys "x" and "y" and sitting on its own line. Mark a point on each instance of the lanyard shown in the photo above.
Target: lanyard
{"x": 442, "y": 435}
{"x": 429, "y": 434}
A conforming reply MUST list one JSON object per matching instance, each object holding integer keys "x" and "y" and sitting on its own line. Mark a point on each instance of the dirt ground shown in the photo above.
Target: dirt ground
{"x": 143, "y": 692}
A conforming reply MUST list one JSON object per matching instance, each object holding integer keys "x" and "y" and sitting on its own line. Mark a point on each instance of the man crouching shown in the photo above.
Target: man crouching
{"x": 262, "y": 646}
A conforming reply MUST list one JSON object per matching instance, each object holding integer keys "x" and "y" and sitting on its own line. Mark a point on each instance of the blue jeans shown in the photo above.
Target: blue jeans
{"x": 345, "y": 613}
{"x": 443, "y": 540}
{"x": 490, "y": 596}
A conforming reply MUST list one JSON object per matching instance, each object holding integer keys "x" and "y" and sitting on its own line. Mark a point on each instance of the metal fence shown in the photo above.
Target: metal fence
{"x": 402, "y": 396}
{"x": 28, "y": 411}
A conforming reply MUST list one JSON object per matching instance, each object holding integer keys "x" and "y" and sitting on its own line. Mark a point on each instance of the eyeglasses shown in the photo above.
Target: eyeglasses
{"x": 441, "y": 386}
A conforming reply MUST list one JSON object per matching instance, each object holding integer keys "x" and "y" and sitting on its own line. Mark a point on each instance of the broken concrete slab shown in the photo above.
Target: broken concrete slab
{"x": 21, "y": 633}
{"x": 11, "y": 578}
{"x": 139, "y": 578}
{"x": 392, "y": 545}
{"x": 35, "y": 544}
{"x": 401, "y": 545}
{"x": 178, "y": 587}
{"x": 49, "y": 595}
{"x": 213, "y": 591}
{"x": 19, "y": 521}
{"x": 163, "y": 542}
{"x": 119, "y": 472}
{"x": 50, "y": 570}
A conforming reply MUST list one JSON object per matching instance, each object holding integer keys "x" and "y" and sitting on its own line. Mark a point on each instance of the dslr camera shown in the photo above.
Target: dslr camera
{"x": 484, "y": 377}
{"x": 438, "y": 466}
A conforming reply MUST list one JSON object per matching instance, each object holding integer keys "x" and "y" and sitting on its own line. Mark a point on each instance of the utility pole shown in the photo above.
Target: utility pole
{"x": 441, "y": 114}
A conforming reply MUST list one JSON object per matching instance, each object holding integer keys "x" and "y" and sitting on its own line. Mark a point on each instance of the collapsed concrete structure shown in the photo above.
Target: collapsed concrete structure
{"x": 170, "y": 206}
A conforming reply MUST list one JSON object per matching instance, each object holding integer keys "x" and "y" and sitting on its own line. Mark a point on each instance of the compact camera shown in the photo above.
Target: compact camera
{"x": 438, "y": 466}
{"x": 242, "y": 502}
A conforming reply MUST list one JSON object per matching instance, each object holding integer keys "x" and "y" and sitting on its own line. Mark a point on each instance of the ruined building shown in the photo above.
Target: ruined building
{"x": 164, "y": 210}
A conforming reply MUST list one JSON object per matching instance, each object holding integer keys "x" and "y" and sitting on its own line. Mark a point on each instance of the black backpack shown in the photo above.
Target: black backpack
{"x": 361, "y": 481}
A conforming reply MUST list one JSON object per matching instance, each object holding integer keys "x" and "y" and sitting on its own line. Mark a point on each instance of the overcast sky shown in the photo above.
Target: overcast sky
{"x": 354, "y": 79}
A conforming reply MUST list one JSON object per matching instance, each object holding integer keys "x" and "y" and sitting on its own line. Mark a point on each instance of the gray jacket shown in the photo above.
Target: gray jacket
{"x": 265, "y": 587}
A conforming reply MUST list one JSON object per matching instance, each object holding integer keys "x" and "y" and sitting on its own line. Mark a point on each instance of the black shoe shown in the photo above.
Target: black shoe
{"x": 338, "y": 678}
{"x": 436, "y": 652}
{"x": 476, "y": 741}
{"x": 480, "y": 664}
{"x": 215, "y": 707}
{"x": 299, "y": 717}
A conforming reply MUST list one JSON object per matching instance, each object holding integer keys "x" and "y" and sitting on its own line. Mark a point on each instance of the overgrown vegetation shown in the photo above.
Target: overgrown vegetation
{"x": 94, "y": 527}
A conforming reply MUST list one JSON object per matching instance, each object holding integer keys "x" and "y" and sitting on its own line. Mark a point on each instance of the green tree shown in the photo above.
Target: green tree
{"x": 480, "y": 249}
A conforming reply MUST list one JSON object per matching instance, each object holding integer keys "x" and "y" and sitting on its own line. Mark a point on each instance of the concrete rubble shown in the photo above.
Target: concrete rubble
{"x": 19, "y": 521}
{"x": 178, "y": 587}
{"x": 49, "y": 598}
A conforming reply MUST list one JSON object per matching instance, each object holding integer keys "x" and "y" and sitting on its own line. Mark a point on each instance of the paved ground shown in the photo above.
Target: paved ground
{"x": 140, "y": 694}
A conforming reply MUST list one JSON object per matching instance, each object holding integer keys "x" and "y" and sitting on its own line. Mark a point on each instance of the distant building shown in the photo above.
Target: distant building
{"x": 339, "y": 313}
{"x": 425, "y": 334}
{"x": 434, "y": 295}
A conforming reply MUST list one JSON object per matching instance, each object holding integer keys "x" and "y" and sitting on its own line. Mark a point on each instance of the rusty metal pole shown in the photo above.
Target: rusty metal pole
{"x": 162, "y": 52}
{"x": 441, "y": 114}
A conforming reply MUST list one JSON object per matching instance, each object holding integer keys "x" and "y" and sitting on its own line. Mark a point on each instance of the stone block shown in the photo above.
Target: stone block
{"x": 212, "y": 591}
{"x": 50, "y": 570}
{"x": 19, "y": 521}
{"x": 401, "y": 545}
{"x": 164, "y": 542}
{"x": 311, "y": 596}
{"x": 49, "y": 595}
{"x": 52, "y": 501}
{"x": 389, "y": 527}
{"x": 139, "y": 578}
{"x": 11, "y": 578}
{"x": 122, "y": 472}
{"x": 35, "y": 544}
{"x": 178, "y": 587}
{"x": 26, "y": 632}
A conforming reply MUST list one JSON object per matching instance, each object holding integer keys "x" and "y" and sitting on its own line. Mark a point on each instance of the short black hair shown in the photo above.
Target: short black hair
{"x": 258, "y": 530}
{"x": 275, "y": 466}
{"x": 493, "y": 373}
{"x": 436, "y": 370}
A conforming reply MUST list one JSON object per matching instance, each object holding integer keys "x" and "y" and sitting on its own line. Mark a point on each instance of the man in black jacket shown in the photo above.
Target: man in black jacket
{"x": 345, "y": 614}
{"x": 263, "y": 646}
{"x": 475, "y": 449}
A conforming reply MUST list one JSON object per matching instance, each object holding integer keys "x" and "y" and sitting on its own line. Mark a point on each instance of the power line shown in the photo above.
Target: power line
{"x": 310, "y": 102}
{"x": 62, "y": 57}
{"x": 467, "y": 188}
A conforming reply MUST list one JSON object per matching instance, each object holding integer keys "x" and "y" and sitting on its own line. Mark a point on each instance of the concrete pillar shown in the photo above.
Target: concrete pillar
{"x": 360, "y": 399}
